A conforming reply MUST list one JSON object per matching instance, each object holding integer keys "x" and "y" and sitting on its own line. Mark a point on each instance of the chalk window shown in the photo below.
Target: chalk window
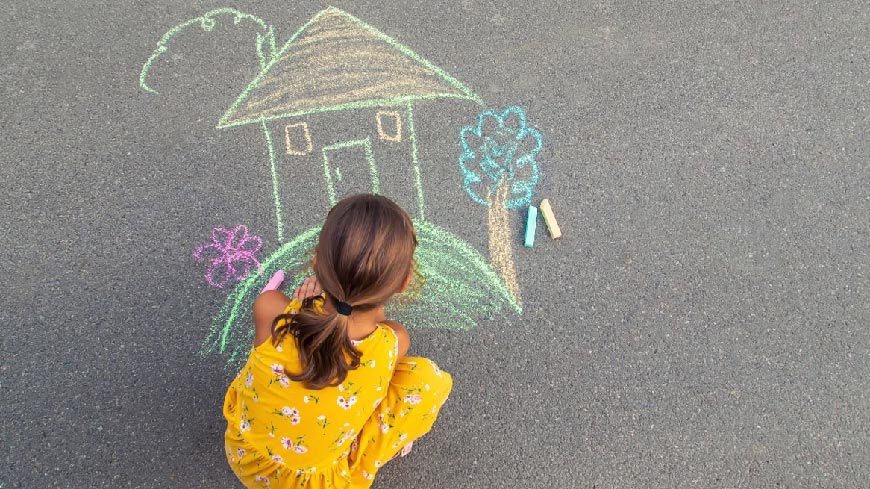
{"x": 297, "y": 139}
{"x": 389, "y": 125}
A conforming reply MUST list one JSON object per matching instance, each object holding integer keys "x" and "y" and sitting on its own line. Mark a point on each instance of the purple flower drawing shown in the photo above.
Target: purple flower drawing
{"x": 230, "y": 255}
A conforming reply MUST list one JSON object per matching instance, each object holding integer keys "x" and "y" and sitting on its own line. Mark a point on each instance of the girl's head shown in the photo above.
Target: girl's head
{"x": 365, "y": 251}
{"x": 363, "y": 257}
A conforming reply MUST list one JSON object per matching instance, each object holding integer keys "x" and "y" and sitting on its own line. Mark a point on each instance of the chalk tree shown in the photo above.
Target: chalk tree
{"x": 500, "y": 171}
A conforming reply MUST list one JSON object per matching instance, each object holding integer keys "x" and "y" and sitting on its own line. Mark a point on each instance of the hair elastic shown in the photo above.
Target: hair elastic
{"x": 343, "y": 308}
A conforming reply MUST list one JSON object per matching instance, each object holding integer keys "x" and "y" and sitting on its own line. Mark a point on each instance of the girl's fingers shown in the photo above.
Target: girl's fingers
{"x": 309, "y": 288}
{"x": 296, "y": 296}
{"x": 300, "y": 293}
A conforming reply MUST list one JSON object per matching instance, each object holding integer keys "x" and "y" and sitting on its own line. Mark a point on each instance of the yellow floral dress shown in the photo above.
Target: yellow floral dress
{"x": 282, "y": 435}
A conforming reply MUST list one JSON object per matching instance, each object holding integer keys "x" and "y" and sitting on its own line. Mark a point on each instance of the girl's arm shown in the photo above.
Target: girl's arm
{"x": 267, "y": 307}
{"x": 272, "y": 303}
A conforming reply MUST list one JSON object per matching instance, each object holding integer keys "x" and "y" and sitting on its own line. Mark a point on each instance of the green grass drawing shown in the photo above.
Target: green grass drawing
{"x": 461, "y": 287}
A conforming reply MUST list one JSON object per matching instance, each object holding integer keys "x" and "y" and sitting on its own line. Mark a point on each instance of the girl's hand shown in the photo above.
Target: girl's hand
{"x": 309, "y": 288}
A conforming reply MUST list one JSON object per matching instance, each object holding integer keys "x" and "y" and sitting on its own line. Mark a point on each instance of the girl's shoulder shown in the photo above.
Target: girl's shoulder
{"x": 403, "y": 338}
{"x": 380, "y": 342}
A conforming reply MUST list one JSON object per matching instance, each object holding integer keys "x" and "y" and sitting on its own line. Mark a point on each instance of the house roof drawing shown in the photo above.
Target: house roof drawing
{"x": 336, "y": 62}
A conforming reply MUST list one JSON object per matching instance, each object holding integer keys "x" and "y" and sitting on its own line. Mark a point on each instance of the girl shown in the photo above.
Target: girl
{"x": 327, "y": 395}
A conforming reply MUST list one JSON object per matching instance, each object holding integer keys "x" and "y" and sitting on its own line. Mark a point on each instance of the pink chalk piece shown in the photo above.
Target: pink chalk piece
{"x": 274, "y": 282}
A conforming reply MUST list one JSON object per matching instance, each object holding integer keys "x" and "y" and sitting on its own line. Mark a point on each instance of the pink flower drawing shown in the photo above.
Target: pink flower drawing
{"x": 230, "y": 255}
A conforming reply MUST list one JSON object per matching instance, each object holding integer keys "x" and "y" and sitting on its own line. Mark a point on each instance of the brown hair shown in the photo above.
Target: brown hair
{"x": 363, "y": 256}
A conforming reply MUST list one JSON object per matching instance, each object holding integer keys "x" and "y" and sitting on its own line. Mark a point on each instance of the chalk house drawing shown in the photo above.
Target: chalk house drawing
{"x": 336, "y": 63}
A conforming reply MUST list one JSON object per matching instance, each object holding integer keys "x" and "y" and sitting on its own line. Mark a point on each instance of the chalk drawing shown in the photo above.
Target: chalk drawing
{"x": 306, "y": 135}
{"x": 333, "y": 173}
{"x": 500, "y": 171}
{"x": 336, "y": 62}
{"x": 394, "y": 116}
{"x": 501, "y": 147}
{"x": 230, "y": 255}
{"x": 500, "y": 249}
{"x": 265, "y": 39}
{"x": 418, "y": 178}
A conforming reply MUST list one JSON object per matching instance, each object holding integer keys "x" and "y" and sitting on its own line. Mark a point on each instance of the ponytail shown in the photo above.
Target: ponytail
{"x": 362, "y": 258}
{"x": 323, "y": 344}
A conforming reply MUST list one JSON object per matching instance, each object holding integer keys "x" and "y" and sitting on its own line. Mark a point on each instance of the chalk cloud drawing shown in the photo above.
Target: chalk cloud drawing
{"x": 500, "y": 171}
{"x": 231, "y": 255}
{"x": 265, "y": 38}
{"x": 336, "y": 63}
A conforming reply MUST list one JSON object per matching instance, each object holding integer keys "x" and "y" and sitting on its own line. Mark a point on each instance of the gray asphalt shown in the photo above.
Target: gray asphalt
{"x": 703, "y": 322}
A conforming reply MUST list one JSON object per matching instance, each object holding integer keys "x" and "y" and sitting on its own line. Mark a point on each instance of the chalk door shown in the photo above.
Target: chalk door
{"x": 350, "y": 168}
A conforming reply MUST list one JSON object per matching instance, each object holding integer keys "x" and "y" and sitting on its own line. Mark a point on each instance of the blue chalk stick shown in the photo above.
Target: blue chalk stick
{"x": 531, "y": 225}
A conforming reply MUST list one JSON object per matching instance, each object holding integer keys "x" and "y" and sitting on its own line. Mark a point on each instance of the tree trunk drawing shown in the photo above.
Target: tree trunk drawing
{"x": 500, "y": 249}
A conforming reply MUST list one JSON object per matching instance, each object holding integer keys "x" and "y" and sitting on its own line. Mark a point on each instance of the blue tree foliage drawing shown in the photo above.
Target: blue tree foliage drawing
{"x": 501, "y": 149}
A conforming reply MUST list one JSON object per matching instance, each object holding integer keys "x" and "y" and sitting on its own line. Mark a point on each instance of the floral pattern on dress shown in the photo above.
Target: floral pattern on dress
{"x": 291, "y": 414}
{"x": 349, "y": 395}
{"x": 280, "y": 433}
{"x": 346, "y": 403}
{"x": 280, "y": 375}
{"x": 310, "y": 398}
{"x": 295, "y": 446}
